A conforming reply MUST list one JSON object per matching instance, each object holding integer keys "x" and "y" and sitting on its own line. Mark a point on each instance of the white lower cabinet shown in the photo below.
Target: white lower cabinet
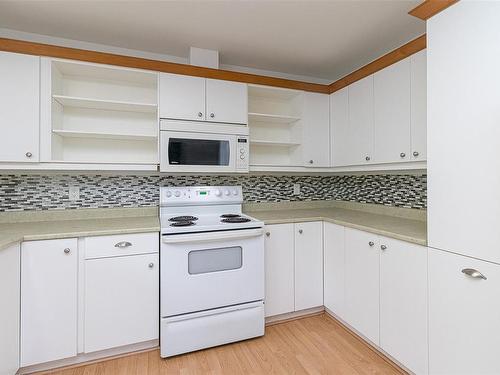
{"x": 403, "y": 303}
{"x": 121, "y": 301}
{"x": 464, "y": 315}
{"x": 48, "y": 300}
{"x": 10, "y": 289}
{"x": 333, "y": 268}
{"x": 362, "y": 277}
{"x": 279, "y": 263}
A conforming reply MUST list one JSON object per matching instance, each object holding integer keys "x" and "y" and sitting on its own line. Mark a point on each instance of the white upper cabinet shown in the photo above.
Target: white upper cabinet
{"x": 308, "y": 265}
{"x": 200, "y": 99}
{"x": 464, "y": 130}
{"x": 403, "y": 303}
{"x": 392, "y": 113}
{"x": 226, "y": 101}
{"x": 19, "y": 107}
{"x": 339, "y": 127}
{"x": 419, "y": 106}
{"x": 333, "y": 268}
{"x": 316, "y": 128}
{"x": 182, "y": 97}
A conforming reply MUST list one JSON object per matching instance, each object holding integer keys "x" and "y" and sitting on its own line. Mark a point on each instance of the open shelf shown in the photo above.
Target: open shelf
{"x": 273, "y": 143}
{"x": 102, "y": 135}
{"x": 272, "y": 118}
{"x": 111, "y": 105}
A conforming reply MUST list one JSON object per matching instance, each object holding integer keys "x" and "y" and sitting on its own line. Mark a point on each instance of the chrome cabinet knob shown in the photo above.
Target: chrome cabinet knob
{"x": 311, "y": 161}
{"x": 151, "y": 265}
{"x": 212, "y": 115}
{"x": 403, "y": 155}
{"x": 383, "y": 247}
{"x": 29, "y": 154}
{"x": 268, "y": 234}
{"x": 67, "y": 250}
{"x": 301, "y": 231}
{"x": 415, "y": 153}
{"x": 371, "y": 243}
{"x": 200, "y": 114}
{"x": 367, "y": 158}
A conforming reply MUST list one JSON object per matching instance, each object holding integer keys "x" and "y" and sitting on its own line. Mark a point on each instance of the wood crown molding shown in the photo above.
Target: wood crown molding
{"x": 382, "y": 62}
{"x": 429, "y": 8}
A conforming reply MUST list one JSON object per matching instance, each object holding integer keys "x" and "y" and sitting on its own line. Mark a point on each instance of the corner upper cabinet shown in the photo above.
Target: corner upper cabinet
{"x": 316, "y": 124}
{"x": 419, "y": 106}
{"x": 19, "y": 107}
{"x": 200, "y": 99}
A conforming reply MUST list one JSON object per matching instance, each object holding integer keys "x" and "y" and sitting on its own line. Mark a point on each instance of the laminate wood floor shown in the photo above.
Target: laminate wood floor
{"x": 312, "y": 345}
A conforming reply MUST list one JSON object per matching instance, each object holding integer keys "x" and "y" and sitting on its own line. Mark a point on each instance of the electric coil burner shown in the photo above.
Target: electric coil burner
{"x": 183, "y": 223}
{"x": 183, "y": 218}
{"x": 236, "y": 220}
{"x": 227, "y": 216}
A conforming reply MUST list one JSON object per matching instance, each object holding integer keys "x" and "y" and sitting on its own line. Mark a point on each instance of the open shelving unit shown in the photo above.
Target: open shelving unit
{"x": 275, "y": 123}
{"x": 102, "y": 114}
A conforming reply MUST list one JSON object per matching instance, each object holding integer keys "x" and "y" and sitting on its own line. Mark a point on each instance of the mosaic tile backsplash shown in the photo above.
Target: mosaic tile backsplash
{"x": 50, "y": 192}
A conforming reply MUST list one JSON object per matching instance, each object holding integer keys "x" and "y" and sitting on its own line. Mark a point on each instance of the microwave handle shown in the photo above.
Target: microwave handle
{"x": 212, "y": 236}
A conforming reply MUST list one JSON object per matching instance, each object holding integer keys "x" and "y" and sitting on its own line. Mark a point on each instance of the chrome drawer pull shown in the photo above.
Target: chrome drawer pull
{"x": 123, "y": 244}
{"x": 475, "y": 274}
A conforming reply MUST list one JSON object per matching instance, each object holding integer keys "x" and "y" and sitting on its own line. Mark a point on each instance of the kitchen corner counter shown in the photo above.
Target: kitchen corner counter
{"x": 45, "y": 225}
{"x": 399, "y": 223}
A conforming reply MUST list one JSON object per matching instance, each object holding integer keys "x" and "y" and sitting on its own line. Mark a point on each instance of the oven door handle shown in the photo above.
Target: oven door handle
{"x": 213, "y": 236}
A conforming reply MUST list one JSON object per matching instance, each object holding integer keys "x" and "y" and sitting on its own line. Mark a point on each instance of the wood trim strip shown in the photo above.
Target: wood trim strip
{"x": 39, "y": 49}
{"x": 429, "y": 8}
{"x": 392, "y": 57}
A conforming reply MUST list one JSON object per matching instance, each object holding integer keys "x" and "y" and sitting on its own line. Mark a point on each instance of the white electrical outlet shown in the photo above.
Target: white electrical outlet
{"x": 74, "y": 193}
{"x": 296, "y": 189}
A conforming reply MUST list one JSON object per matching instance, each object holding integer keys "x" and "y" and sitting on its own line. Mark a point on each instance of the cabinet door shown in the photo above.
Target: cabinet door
{"x": 182, "y": 97}
{"x": 308, "y": 265}
{"x": 362, "y": 283}
{"x": 403, "y": 303}
{"x": 392, "y": 113}
{"x": 419, "y": 106}
{"x": 19, "y": 107}
{"x": 334, "y": 268}
{"x": 316, "y": 129}
{"x": 359, "y": 137}
{"x": 10, "y": 291}
{"x": 227, "y": 102}
{"x": 48, "y": 300}
{"x": 279, "y": 244}
{"x": 339, "y": 128}
{"x": 121, "y": 301}
{"x": 464, "y": 315}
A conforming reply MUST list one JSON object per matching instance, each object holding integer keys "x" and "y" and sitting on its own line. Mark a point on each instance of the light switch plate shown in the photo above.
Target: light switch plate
{"x": 74, "y": 193}
{"x": 296, "y": 189}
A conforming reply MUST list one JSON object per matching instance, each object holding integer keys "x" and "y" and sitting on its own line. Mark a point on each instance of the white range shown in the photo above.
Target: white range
{"x": 212, "y": 269}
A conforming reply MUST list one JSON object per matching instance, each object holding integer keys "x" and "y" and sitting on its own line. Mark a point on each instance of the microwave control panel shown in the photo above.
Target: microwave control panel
{"x": 242, "y": 154}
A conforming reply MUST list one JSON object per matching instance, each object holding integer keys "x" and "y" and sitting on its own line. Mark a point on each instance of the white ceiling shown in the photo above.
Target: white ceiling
{"x": 323, "y": 39}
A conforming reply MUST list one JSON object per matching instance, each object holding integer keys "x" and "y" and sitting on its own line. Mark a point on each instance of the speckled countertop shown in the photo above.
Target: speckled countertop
{"x": 27, "y": 226}
{"x": 399, "y": 223}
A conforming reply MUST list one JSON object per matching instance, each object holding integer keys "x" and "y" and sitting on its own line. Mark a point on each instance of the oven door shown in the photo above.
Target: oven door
{"x": 201, "y": 271}
{"x": 197, "y": 152}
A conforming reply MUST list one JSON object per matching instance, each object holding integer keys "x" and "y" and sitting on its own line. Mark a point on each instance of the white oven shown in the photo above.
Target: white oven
{"x": 208, "y": 270}
{"x": 191, "y": 146}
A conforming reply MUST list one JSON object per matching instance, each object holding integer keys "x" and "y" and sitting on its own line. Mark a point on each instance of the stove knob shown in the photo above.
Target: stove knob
{"x": 177, "y": 193}
{"x": 218, "y": 193}
{"x": 227, "y": 192}
{"x": 168, "y": 194}
{"x": 235, "y": 192}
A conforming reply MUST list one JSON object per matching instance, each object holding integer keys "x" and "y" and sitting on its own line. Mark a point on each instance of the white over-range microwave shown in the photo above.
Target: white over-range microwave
{"x": 192, "y": 146}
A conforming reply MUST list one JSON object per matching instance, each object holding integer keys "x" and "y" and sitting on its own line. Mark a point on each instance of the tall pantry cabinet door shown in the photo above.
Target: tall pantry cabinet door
{"x": 279, "y": 259}
{"x": 464, "y": 130}
{"x": 340, "y": 137}
{"x": 403, "y": 303}
{"x": 227, "y": 102}
{"x": 419, "y": 106}
{"x": 182, "y": 97}
{"x": 19, "y": 107}
{"x": 48, "y": 300}
{"x": 359, "y": 136}
{"x": 464, "y": 315}
{"x": 362, "y": 277}
{"x": 334, "y": 268}
{"x": 316, "y": 129}
{"x": 308, "y": 265}
{"x": 392, "y": 113}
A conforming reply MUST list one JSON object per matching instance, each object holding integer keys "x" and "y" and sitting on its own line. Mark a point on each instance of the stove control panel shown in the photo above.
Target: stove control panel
{"x": 200, "y": 195}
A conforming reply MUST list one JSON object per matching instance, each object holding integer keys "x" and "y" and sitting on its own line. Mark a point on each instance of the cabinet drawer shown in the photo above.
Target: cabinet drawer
{"x": 121, "y": 244}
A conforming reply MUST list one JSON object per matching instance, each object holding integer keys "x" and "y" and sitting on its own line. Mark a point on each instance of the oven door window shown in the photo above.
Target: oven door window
{"x": 214, "y": 260}
{"x": 184, "y": 151}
